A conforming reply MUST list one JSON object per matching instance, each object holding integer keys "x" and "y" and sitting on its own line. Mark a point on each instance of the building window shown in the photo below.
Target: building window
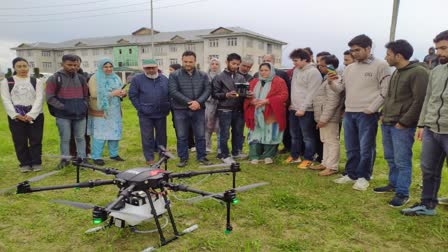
{"x": 232, "y": 41}
{"x": 46, "y": 65}
{"x": 84, "y": 52}
{"x": 32, "y": 65}
{"x": 95, "y": 62}
{"x": 145, "y": 49}
{"x": 107, "y": 51}
{"x": 59, "y": 53}
{"x": 250, "y": 43}
{"x": 173, "y": 61}
{"x": 158, "y": 50}
{"x": 46, "y": 53}
{"x": 189, "y": 47}
{"x": 159, "y": 62}
{"x": 30, "y": 53}
{"x": 210, "y": 57}
{"x": 260, "y": 60}
{"x": 261, "y": 45}
{"x": 120, "y": 64}
{"x": 173, "y": 48}
{"x": 250, "y": 57}
{"x": 269, "y": 48}
{"x": 85, "y": 64}
{"x": 119, "y": 51}
{"x": 96, "y": 52}
{"x": 130, "y": 51}
{"x": 213, "y": 43}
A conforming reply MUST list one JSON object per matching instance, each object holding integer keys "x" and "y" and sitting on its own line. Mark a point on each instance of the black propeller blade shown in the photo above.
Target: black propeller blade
{"x": 237, "y": 189}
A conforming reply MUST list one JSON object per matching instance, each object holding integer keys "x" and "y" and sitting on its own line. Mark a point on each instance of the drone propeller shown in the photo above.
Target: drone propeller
{"x": 237, "y": 189}
{"x": 33, "y": 179}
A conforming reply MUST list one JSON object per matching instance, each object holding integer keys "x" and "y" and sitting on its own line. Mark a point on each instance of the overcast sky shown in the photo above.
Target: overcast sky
{"x": 320, "y": 24}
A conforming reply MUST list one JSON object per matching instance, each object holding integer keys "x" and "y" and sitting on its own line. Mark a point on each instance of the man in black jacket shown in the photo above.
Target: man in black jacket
{"x": 189, "y": 88}
{"x": 230, "y": 107}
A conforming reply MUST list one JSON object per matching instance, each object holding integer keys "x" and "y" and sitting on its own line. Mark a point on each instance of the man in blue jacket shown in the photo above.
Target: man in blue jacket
{"x": 189, "y": 89}
{"x": 149, "y": 95}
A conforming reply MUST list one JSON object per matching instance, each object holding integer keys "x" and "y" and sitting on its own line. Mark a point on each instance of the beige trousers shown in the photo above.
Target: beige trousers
{"x": 329, "y": 135}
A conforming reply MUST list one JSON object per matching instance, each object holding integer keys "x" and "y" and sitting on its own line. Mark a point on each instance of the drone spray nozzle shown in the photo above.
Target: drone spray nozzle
{"x": 99, "y": 215}
{"x": 24, "y": 187}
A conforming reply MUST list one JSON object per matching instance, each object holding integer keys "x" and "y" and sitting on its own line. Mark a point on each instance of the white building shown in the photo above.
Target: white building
{"x": 127, "y": 51}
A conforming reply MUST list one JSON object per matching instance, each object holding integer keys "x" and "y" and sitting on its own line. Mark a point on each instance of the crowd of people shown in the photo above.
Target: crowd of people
{"x": 304, "y": 108}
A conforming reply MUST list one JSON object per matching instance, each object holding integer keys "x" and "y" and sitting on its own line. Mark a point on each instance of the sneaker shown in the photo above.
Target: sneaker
{"x": 37, "y": 167}
{"x": 241, "y": 155}
{"x": 318, "y": 167}
{"x": 344, "y": 180}
{"x": 150, "y": 162}
{"x": 26, "y": 168}
{"x": 327, "y": 172}
{"x": 182, "y": 163}
{"x": 268, "y": 160}
{"x": 305, "y": 164}
{"x": 117, "y": 158}
{"x": 254, "y": 161}
{"x": 193, "y": 149}
{"x": 219, "y": 155}
{"x": 99, "y": 162}
{"x": 443, "y": 201}
{"x": 63, "y": 164}
{"x": 228, "y": 160}
{"x": 384, "y": 189}
{"x": 361, "y": 184}
{"x": 418, "y": 209}
{"x": 204, "y": 161}
{"x": 291, "y": 160}
{"x": 399, "y": 200}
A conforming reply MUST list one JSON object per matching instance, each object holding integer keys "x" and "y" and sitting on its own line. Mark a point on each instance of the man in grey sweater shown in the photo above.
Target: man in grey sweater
{"x": 365, "y": 83}
{"x": 433, "y": 130}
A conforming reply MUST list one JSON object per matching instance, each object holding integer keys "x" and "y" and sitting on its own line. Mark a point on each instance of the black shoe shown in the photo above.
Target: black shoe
{"x": 384, "y": 189}
{"x": 283, "y": 151}
{"x": 182, "y": 163}
{"x": 399, "y": 200}
{"x": 63, "y": 164}
{"x": 99, "y": 162}
{"x": 204, "y": 161}
{"x": 117, "y": 158}
{"x": 219, "y": 156}
{"x": 85, "y": 161}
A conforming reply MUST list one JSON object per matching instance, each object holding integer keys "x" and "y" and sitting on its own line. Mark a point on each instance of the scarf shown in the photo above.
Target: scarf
{"x": 105, "y": 83}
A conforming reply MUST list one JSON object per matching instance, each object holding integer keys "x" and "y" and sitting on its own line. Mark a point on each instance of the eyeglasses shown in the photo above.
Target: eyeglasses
{"x": 442, "y": 48}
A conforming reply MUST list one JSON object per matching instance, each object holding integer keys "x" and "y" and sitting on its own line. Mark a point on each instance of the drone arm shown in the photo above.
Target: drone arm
{"x": 24, "y": 187}
{"x": 184, "y": 188}
{"x": 189, "y": 174}
{"x": 106, "y": 170}
{"x": 123, "y": 194}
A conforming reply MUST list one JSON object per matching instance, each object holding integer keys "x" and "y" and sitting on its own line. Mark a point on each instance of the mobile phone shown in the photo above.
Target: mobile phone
{"x": 331, "y": 69}
{"x": 124, "y": 86}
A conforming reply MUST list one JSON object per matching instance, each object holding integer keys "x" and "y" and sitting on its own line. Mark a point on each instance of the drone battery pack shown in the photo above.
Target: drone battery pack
{"x": 119, "y": 223}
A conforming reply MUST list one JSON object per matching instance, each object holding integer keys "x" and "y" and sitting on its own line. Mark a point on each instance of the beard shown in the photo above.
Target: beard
{"x": 443, "y": 60}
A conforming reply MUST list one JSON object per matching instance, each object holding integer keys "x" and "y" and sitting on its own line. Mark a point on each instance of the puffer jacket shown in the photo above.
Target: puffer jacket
{"x": 327, "y": 104}
{"x": 184, "y": 88}
{"x": 224, "y": 83}
{"x": 150, "y": 96}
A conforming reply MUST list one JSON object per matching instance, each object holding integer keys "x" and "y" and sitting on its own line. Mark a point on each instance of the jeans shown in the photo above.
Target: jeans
{"x": 65, "y": 127}
{"x": 98, "y": 147}
{"x": 303, "y": 127}
{"x": 434, "y": 151}
{"x": 360, "y": 142}
{"x": 147, "y": 128}
{"x": 397, "y": 144}
{"x": 184, "y": 119}
{"x": 27, "y": 140}
{"x": 227, "y": 119}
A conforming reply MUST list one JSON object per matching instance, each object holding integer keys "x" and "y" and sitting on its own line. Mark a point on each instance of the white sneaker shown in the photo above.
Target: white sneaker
{"x": 361, "y": 184}
{"x": 228, "y": 160}
{"x": 268, "y": 160}
{"x": 241, "y": 156}
{"x": 344, "y": 180}
{"x": 193, "y": 149}
{"x": 254, "y": 161}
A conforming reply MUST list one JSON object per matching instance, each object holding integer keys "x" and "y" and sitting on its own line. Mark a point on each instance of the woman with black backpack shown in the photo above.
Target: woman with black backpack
{"x": 22, "y": 98}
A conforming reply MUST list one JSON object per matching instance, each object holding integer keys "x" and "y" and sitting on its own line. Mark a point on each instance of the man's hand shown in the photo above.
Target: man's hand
{"x": 28, "y": 118}
{"x": 332, "y": 77}
{"x": 250, "y": 94}
{"x": 194, "y": 105}
{"x": 300, "y": 113}
{"x": 367, "y": 111}
{"x": 419, "y": 134}
{"x": 321, "y": 125}
{"x": 399, "y": 126}
{"x": 232, "y": 94}
{"x": 21, "y": 118}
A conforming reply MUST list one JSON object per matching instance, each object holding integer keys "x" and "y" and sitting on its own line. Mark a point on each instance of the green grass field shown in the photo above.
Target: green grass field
{"x": 298, "y": 211}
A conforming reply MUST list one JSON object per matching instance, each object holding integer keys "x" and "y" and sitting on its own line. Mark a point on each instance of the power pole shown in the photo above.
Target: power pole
{"x": 393, "y": 25}
{"x": 152, "y": 32}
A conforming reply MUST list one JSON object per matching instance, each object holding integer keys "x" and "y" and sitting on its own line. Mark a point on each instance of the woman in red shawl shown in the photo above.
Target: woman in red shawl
{"x": 264, "y": 114}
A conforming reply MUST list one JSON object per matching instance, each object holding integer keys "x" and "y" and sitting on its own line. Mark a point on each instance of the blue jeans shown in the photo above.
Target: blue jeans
{"x": 183, "y": 118}
{"x": 148, "y": 128}
{"x": 397, "y": 144}
{"x": 434, "y": 151}
{"x": 65, "y": 127}
{"x": 302, "y": 128}
{"x": 98, "y": 147}
{"x": 360, "y": 142}
{"x": 227, "y": 119}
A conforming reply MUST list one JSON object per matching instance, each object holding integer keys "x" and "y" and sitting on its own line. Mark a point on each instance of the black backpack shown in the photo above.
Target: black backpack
{"x": 11, "y": 83}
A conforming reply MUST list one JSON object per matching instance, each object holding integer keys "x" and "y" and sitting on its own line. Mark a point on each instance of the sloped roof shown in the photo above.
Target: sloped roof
{"x": 188, "y": 35}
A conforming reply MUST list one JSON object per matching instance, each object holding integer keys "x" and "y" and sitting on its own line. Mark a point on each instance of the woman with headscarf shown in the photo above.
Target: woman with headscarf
{"x": 211, "y": 117}
{"x": 22, "y": 98}
{"x": 264, "y": 114}
{"x": 105, "y": 118}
